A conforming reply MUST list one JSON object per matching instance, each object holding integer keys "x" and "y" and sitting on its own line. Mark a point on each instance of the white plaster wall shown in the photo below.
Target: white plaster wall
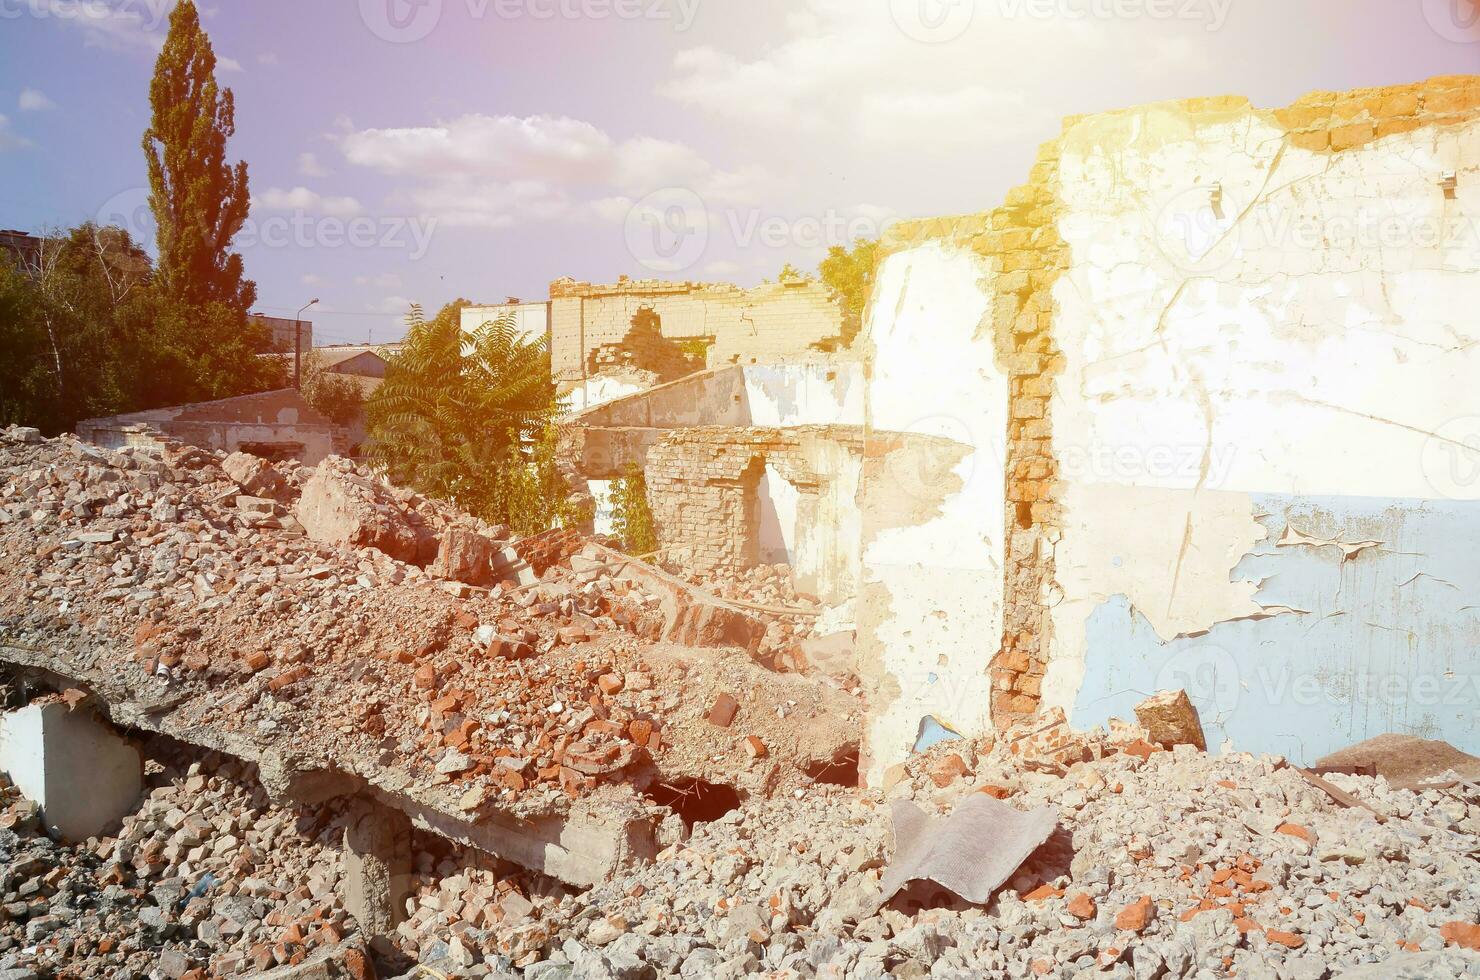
{"x": 826, "y": 541}
{"x": 598, "y": 391}
{"x": 1316, "y": 338}
{"x": 601, "y": 494}
{"x": 778, "y": 510}
{"x": 930, "y": 618}
{"x": 531, "y": 319}
{"x": 805, "y": 394}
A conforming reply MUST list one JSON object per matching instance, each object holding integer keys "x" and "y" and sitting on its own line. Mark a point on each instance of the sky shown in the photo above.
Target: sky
{"x": 407, "y": 151}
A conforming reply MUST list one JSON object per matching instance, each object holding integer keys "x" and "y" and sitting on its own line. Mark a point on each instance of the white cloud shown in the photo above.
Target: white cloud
{"x": 721, "y": 269}
{"x": 844, "y": 70}
{"x": 310, "y": 279}
{"x": 397, "y": 305}
{"x": 10, "y": 140}
{"x": 386, "y": 280}
{"x": 118, "y": 26}
{"x": 496, "y": 171}
{"x": 268, "y": 59}
{"x": 34, "y": 100}
{"x": 309, "y": 166}
{"x": 229, "y": 64}
{"x": 305, "y": 200}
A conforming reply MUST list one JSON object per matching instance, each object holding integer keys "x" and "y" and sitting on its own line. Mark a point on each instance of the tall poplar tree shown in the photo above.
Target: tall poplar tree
{"x": 199, "y": 201}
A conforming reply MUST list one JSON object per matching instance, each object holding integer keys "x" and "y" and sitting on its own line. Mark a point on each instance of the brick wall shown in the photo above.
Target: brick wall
{"x": 1020, "y": 242}
{"x": 771, "y": 320}
{"x": 703, "y": 488}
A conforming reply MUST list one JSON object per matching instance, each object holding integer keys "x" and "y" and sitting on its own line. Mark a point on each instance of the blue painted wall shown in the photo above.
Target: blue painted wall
{"x": 1386, "y": 641}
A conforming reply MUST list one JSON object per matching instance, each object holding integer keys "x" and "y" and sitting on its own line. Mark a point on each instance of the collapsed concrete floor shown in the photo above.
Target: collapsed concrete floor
{"x": 356, "y": 719}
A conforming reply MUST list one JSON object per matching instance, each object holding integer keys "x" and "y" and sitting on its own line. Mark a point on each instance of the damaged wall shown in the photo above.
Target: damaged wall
{"x": 1241, "y": 453}
{"x": 930, "y": 605}
{"x": 1269, "y": 369}
{"x": 741, "y": 325}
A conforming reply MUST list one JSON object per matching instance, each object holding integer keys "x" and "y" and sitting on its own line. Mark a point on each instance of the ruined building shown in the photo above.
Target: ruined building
{"x": 1194, "y": 408}
{"x": 671, "y": 328}
{"x": 1192, "y": 413}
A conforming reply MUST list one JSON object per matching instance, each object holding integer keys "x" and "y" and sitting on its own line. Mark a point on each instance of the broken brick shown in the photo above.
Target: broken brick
{"x": 723, "y": 712}
{"x": 1137, "y": 915}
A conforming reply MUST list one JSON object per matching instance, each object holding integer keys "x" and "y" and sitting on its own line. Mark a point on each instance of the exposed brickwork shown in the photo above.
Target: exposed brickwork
{"x": 1021, "y": 244}
{"x": 1336, "y": 121}
{"x": 549, "y": 548}
{"x": 702, "y": 487}
{"x": 769, "y": 321}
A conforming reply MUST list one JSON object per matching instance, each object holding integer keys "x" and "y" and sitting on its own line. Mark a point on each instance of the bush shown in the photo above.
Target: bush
{"x": 632, "y": 517}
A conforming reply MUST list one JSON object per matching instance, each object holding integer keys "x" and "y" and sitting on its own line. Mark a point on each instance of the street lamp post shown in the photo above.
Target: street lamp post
{"x": 298, "y": 344}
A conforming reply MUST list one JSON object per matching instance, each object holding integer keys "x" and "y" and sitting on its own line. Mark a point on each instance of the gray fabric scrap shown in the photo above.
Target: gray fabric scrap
{"x": 970, "y": 852}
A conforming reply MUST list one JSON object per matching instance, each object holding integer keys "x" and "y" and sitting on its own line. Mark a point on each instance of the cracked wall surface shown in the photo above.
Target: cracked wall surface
{"x": 1269, "y": 365}
{"x": 1221, "y": 328}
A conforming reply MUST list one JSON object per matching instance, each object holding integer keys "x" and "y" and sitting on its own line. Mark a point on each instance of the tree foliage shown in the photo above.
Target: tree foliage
{"x": 632, "y": 516}
{"x": 849, "y": 273}
{"x": 199, "y": 200}
{"x": 466, "y": 416}
{"x": 84, "y": 333}
{"x": 338, "y": 396}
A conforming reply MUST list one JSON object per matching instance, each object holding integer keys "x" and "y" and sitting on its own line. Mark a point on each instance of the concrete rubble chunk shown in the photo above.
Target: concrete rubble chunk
{"x": 970, "y": 852}
{"x": 338, "y": 507}
{"x": 257, "y": 477}
{"x": 465, "y": 555}
{"x": 1170, "y": 719}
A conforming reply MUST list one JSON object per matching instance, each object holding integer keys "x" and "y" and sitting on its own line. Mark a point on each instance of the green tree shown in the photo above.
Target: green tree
{"x": 632, "y": 516}
{"x": 458, "y": 412}
{"x": 849, "y": 273}
{"x": 67, "y": 353}
{"x": 338, "y": 396}
{"x": 199, "y": 200}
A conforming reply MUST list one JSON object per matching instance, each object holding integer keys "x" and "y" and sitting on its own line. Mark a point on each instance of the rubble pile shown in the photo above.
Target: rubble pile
{"x": 208, "y": 878}
{"x": 770, "y": 588}
{"x": 1166, "y": 864}
{"x": 268, "y": 619}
